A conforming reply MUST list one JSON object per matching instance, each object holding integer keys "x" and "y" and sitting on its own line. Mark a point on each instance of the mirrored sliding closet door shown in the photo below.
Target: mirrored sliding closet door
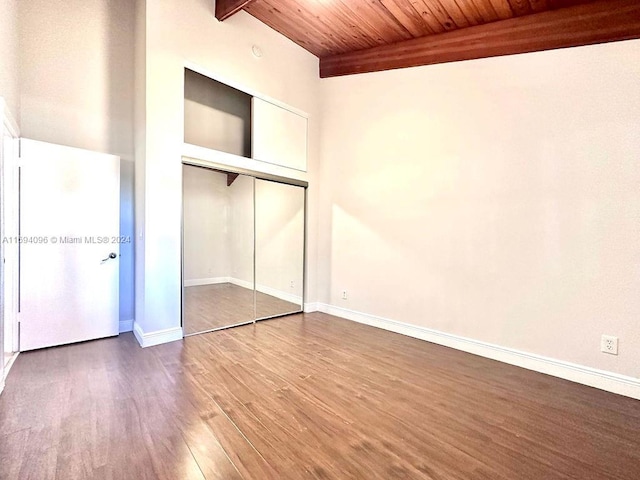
{"x": 243, "y": 249}
{"x": 218, "y": 250}
{"x": 279, "y": 248}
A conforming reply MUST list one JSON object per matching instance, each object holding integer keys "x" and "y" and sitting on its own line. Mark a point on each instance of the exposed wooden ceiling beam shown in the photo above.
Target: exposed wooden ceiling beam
{"x": 226, "y": 8}
{"x": 598, "y": 22}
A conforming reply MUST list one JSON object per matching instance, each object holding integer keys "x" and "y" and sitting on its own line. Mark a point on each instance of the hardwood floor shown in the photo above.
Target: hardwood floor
{"x": 219, "y": 305}
{"x": 305, "y": 396}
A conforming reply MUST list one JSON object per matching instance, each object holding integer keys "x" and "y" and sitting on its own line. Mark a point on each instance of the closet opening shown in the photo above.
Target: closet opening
{"x": 243, "y": 247}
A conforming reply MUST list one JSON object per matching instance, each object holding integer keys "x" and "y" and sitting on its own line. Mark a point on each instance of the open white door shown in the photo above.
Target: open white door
{"x": 69, "y": 244}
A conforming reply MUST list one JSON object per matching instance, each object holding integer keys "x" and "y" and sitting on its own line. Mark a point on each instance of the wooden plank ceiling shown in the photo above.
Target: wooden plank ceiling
{"x": 357, "y": 36}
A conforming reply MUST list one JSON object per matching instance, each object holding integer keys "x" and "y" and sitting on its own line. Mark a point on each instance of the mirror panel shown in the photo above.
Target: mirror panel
{"x": 279, "y": 230}
{"x": 218, "y": 249}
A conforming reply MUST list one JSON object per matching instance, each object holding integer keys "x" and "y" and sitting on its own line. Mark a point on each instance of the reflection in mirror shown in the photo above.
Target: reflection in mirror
{"x": 279, "y": 248}
{"x": 218, "y": 224}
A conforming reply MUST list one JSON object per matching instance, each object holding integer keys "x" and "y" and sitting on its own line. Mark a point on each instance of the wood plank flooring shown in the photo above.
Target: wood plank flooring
{"x": 305, "y": 396}
{"x": 207, "y": 307}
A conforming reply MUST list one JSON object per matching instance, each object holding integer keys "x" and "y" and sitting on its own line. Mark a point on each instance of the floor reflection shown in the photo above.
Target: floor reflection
{"x": 207, "y": 307}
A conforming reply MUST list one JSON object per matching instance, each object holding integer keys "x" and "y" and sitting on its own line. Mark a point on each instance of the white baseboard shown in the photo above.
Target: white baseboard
{"x": 609, "y": 381}
{"x": 1, "y": 386}
{"x": 311, "y": 307}
{"x": 196, "y": 282}
{"x": 241, "y": 283}
{"x": 126, "y": 326}
{"x": 151, "y": 339}
{"x": 287, "y": 297}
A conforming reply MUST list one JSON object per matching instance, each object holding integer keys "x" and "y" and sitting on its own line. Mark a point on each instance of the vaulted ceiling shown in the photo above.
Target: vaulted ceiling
{"x": 357, "y": 36}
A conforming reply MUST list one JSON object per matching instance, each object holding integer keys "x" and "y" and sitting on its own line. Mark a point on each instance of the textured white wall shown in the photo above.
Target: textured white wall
{"x": 76, "y": 81}
{"x": 494, "y": 199}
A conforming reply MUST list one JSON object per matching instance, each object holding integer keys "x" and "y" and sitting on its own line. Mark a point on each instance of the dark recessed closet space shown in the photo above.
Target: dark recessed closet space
{"x": 216, "y": 116}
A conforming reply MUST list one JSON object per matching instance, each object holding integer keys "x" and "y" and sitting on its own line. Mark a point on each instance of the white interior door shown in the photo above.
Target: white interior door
{"x": 69, "y": 244}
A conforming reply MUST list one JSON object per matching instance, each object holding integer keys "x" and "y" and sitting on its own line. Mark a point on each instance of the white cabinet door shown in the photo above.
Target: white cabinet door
{"x": 279, "y": 136}
{"x": 69, "y": 232}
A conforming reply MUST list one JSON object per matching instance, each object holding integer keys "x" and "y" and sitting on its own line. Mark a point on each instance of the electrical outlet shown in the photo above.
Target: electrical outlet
{"x": 344, "y": 294}
{"x": 609, "y": 344}
{"x": 292, "y": 284}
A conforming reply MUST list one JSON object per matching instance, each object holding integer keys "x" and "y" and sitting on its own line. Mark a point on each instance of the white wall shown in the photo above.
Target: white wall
{"x": 76, "y": 79}
{"x": 9, "y": 85}
{"x": 187, "y": 31}
{"x": 495, "y": 199}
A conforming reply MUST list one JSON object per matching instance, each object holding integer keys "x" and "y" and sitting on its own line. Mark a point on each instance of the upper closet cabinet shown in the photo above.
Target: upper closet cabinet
{"x": 216, "y": 116}
{"x": 279, "y": 136}
{"x": 225, "y": 119}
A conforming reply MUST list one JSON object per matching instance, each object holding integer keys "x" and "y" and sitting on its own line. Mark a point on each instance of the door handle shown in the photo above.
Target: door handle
{"x": 110, "y": 257}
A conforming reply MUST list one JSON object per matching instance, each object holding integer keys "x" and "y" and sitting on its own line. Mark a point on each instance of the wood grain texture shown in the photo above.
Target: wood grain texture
{"x": 405, "y": 14}
{"x": 226, "y": 8}
{"x": 306, "y": 396}
{"x": 586, "y": 24}
{"x": 339, "y": 26}
{"x": 358, "y": 36}
{"x": 501, "y": 7}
